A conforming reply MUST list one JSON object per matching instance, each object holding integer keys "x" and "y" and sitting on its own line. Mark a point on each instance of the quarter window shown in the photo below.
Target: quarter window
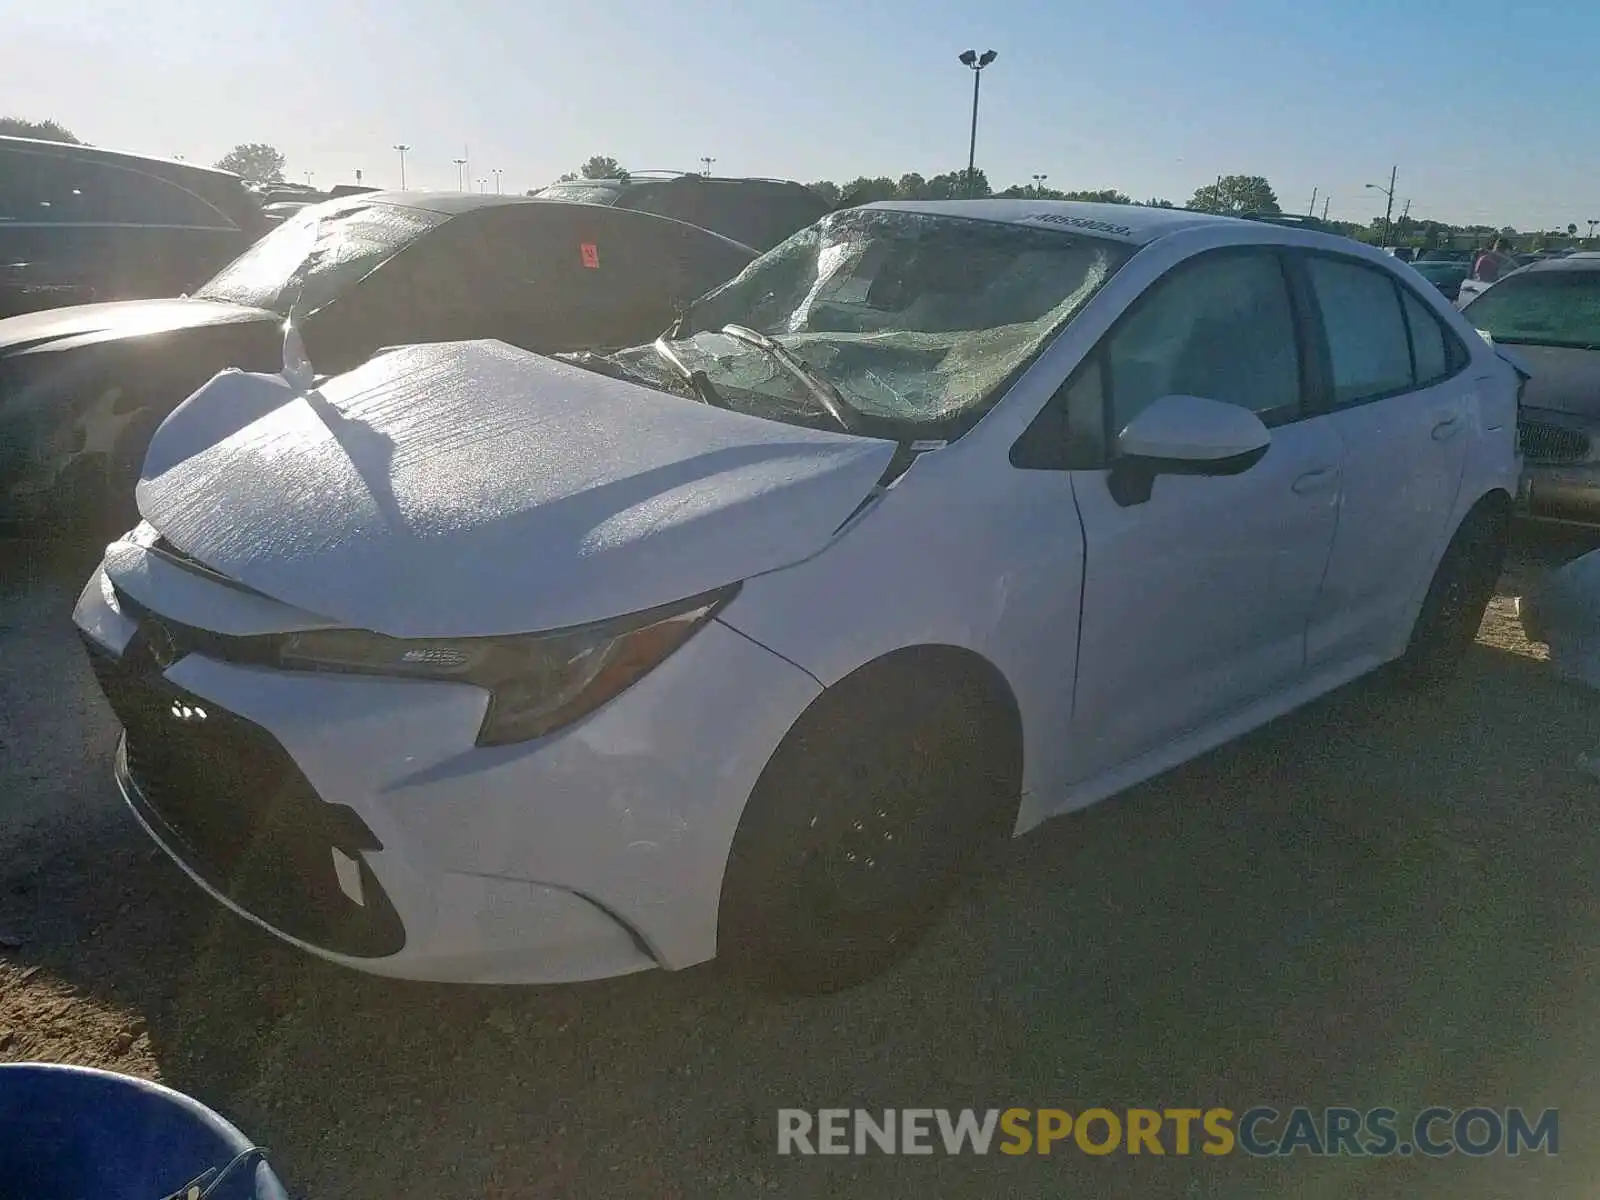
{"x": 1366, "y": 330}
{"x": 1222, "y": 328}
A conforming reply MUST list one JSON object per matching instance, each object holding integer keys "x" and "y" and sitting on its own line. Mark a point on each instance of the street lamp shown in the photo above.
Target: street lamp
{"x": 1388, "y": 210}
{"x": 1592, "y": 224}
{"x": 1038, "y": 183}
{"x": 976, "y": 62}
{"x": 461, "y": 173}
{"x": 401, "y": 147}
{"x": 495, "y": 171}
{"x": 708, "y": 161}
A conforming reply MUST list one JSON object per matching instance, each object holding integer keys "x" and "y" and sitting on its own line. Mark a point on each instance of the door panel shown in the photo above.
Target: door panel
{"x": 1404, "y": 453}
{"x": 1195, "y": 603}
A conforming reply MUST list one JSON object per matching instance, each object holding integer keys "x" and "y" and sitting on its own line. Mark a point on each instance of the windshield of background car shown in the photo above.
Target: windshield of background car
{"x": 317, "y": 254}
{"x": 919, "y": 320}
{"x": 1543, "y": 308}
{"x": 583, "y": 193}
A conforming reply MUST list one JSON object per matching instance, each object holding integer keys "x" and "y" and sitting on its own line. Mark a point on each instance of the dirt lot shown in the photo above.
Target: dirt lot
{"x": 1380, "y": 900}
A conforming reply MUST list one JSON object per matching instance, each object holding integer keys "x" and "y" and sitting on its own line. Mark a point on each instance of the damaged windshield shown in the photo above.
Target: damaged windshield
{"x": 917, "y": 319}
{"x": 348, "y": 239}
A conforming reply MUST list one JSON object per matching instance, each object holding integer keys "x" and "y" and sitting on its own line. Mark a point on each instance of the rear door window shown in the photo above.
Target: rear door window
{"x": 1368, "y": 348}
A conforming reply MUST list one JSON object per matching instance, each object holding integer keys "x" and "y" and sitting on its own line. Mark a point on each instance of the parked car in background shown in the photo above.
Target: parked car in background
{"x": 757, "y": 212}
{"x": 80, "y": 224}
{"x": 1445, "y": 274}
{"x": 938, "y": 521}
{"x": 1550, "y": 312}
{"x": 81, "y": 389}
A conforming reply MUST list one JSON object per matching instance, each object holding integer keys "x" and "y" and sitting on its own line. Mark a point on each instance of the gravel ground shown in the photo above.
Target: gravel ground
{"x": 1382, "y": 899}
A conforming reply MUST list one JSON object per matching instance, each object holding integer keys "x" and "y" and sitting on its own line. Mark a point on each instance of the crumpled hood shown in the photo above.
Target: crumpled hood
{"x": 1564, "y": 380}
{"x": 83, "y": 323}
{"x": 471, "y": 489}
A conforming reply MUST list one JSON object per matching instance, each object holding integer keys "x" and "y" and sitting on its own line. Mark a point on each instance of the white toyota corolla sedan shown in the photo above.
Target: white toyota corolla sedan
{"x": 937, "y": 522}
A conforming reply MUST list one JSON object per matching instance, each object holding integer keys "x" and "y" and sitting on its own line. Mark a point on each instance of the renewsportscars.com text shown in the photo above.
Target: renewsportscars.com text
{"x": 1260, "y": 1132}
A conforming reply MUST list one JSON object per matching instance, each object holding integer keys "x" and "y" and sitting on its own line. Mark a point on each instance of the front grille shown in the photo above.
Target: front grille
{"x": 1546, "y": 443}
{"x": 231, "y": 802}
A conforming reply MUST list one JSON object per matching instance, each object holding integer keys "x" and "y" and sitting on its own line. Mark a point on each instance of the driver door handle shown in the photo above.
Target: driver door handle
{"x": 1446, "y": 428}
{"x": 1313, "y": 481}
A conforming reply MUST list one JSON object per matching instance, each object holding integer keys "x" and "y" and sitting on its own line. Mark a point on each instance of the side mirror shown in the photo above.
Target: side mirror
{"x": 1184, "y": 435}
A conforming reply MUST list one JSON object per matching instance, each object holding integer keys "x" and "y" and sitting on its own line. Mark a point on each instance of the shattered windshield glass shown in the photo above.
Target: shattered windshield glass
{"x": 343, "y": 241}
{"x": 917, "y": 319}
{"x": 584, "y": 193}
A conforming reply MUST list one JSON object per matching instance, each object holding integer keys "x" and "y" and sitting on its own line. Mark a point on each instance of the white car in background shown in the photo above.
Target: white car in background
{"x": 937, "y": 522}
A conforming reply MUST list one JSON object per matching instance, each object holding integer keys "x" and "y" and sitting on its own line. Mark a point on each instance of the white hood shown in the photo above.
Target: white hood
{"x": 470, "y": 489}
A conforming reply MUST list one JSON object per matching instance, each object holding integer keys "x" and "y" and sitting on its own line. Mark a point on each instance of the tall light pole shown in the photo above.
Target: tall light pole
{"x": 495, "y": 171}
{"x": 308, "y": 178}
{"x": 1388, "y": 210}
{"x": 1038, "y": 183}
{"x": 401, "y": 147}
{"x": 976, "y": 63}
{"x": 461, "y": 173}
{"x": 1592, "y": 224}
{"x": 708, "y": 161}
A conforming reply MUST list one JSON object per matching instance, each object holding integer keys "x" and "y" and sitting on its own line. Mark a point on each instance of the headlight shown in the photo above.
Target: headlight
{"x": 536, "y": 683}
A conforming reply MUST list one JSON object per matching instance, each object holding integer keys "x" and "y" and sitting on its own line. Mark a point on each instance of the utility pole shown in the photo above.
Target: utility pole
{"x": 1388, "y": 209}
{"x": 1325, "y": 208}
{"x": 1312, "y": 211}
{"x": 402, "y": 148}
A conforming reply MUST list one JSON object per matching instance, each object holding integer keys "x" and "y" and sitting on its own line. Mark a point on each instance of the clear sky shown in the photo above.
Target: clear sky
{"x": 1492, "y": 112}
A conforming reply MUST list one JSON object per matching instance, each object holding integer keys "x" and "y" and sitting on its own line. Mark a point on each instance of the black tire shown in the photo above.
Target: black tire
{"x": 1453, "y": 609}
{"x": 861, "y": 824}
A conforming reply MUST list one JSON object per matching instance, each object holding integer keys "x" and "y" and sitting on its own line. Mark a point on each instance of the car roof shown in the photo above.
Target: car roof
{"x": 1134, "y": 223}
{"x": 1585, "y": 261}
{"x": 454, "y": 204}
{"x": 450, "y": 203}
{"x": 76, "y": 150}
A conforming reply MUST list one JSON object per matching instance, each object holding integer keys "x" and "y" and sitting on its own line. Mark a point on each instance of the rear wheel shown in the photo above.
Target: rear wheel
{"x": 1453, "y": 609}
{"x": 860, "y": 826}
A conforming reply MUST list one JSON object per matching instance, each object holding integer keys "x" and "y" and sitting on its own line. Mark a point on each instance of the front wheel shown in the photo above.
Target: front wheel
{"x": 859, "y": 827}
{"x": 1453, "y": 609}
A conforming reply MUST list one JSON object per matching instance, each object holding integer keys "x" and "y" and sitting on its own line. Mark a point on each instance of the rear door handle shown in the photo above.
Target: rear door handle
{"x": 1313, "y": 481}
{"x": 1446, "y": 429}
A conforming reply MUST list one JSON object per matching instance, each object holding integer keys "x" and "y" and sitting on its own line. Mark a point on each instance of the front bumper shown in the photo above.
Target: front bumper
{"x": 355, "y": 818}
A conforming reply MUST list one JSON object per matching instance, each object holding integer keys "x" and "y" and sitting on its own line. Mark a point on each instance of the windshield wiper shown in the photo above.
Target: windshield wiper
{"x": 698, "y": 380}
{"x": 820, "y": 389}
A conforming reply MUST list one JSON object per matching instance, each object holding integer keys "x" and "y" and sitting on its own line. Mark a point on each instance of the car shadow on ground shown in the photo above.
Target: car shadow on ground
{"x": 1384, "y": 899}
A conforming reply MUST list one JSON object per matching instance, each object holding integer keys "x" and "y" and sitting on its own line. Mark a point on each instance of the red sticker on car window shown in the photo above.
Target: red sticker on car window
{"x": 591, "y": 256}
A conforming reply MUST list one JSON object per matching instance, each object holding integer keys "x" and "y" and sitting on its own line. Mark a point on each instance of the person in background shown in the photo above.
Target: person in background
{"x": 1493, "y": 262}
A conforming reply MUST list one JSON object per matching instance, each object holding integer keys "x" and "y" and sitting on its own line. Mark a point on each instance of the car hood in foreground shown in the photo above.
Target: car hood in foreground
{"x": 471, "y": 489}
{"x": 1564, "y": 380}
{"x": 55, "y": 328}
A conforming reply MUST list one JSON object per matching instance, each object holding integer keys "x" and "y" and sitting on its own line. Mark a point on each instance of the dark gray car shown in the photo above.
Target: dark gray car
{"x": 1550, "y": 312}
